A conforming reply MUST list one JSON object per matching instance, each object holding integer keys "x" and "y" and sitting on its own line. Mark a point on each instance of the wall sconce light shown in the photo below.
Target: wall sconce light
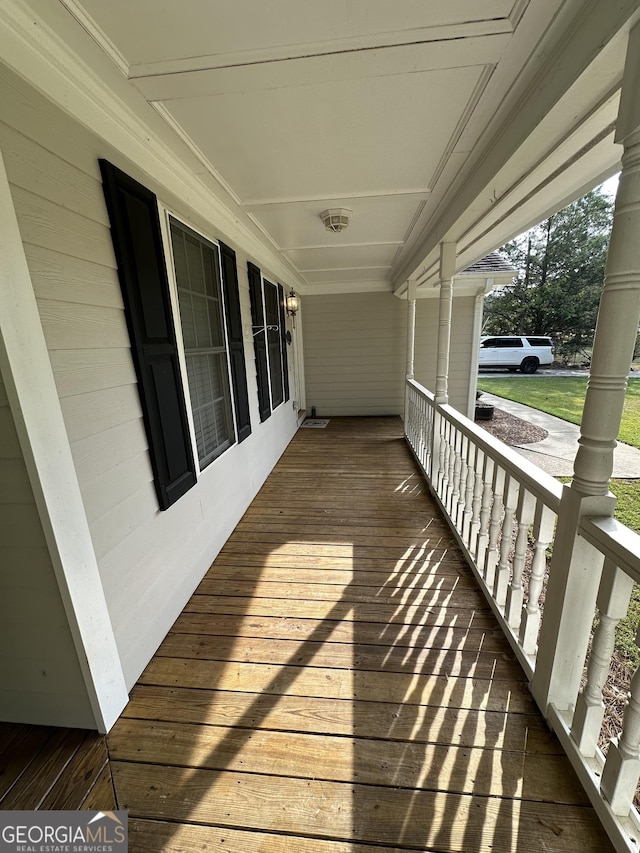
{"x": 293, "y": 304}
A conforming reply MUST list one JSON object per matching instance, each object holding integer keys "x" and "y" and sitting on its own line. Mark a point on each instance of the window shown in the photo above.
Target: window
{"x": 198, "y": 282}
{"x": 210, "y": 305}
{"x": 274, "y": 343}
{"x": 269, "y": 341}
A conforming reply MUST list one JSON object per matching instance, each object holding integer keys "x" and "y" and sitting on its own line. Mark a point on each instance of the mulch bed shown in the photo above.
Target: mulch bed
{"x": 512, "y": 430}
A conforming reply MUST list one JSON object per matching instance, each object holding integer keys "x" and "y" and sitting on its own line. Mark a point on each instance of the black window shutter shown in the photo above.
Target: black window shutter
{"x": 283, "y": 341}
{"x": 236, "y": 342}
{"x": 135, "y": 230}
{"x": 259, "y": 340}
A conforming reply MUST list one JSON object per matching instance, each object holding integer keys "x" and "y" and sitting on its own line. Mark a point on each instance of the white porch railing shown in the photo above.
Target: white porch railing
{"x": 503, "y": 511}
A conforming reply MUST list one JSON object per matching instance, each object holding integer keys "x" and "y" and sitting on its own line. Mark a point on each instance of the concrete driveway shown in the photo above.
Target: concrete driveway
{"x": 556, "y": 453}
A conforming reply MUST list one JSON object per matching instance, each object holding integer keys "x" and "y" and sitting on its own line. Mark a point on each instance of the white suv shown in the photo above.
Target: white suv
{"x": 526, "y": 354}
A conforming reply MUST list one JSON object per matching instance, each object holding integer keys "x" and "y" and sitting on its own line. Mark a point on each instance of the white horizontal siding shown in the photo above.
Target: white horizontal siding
{"x": 54, "y": 226}
{"x": 150, "y": 561}
{"x": 97, "y": 454}
{"x": 355, "y": 353}
{"x": 67, "y": 279}
{"x": 40, "y": 676}
{"x": 460, "y": 352}
{"x": 33, "y": 166}
{"x": 84, "y": 370}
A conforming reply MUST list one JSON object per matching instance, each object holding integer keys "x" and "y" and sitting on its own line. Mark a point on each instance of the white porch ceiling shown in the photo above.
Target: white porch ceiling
{"x": 390, "y": 109}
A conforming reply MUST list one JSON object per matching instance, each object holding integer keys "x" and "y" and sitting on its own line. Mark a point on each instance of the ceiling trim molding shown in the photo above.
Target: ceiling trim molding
{"x": 342, "y": 245}
{"x": 38, "y": 54}
{"x": 310, "y": 50}
{"x": 345, "y": 269}
{"x": 308, "y": 199}
{"x": 519, "y": 8}
{"x": 195, "y": 149}
{"x": 325, "y": 288}
{"x": 97, "y": 34}
{"x": 472, "y": 103}
{"x": 326, "y": 69}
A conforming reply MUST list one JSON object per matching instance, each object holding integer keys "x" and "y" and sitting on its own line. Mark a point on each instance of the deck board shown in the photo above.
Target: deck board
{"x": 337, "y": 683}
{"x": 42, "y": 767}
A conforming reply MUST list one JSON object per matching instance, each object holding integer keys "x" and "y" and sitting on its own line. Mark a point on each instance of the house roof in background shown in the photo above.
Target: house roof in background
{"x": 491, "y": 263}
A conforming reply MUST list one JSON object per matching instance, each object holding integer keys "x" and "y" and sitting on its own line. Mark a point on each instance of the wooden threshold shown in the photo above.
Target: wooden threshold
{"x": 338, "y": 684}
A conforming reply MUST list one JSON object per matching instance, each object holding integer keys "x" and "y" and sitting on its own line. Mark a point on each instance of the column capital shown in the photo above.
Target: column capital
{"x": 447, "y": 270}
{"x": 447, "y": 261}
{"x": 629, "y": 111}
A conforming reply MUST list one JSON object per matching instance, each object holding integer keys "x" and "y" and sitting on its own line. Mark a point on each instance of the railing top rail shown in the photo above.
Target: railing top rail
{"x": 538, "y": 482}
{"x": 616, "y": 541}
{"x": 421, "y": 389}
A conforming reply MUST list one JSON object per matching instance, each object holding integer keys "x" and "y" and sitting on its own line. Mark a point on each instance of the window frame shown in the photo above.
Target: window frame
{"x": 166, "y": 215}
{"x": 268, "y": 326}
{"x": 261, "y": 329}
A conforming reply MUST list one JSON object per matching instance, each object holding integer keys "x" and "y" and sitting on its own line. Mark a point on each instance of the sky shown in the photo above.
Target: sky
{"x": 610, "y": 186}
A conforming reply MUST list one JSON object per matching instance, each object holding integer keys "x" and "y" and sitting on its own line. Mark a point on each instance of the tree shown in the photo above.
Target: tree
{"x": 557, "y": 291}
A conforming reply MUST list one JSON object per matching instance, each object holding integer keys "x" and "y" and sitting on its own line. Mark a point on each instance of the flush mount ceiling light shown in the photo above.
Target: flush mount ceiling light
{"x": 336, "y": 219}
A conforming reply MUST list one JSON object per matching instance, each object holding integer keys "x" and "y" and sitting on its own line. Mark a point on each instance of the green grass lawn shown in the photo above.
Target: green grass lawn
{"x": 563, "y": 396}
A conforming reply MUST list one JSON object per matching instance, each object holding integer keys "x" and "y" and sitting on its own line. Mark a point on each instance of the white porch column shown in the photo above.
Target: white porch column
{"x": 33, "y": 399}
{"x": 575, "y": 570}
{"x": 616, "y": 330}
{"x": 411, "y": 344}
{"x": 447, "y": 270}
{"x": 478, "y": 309}
{"x": 411, "y": 327}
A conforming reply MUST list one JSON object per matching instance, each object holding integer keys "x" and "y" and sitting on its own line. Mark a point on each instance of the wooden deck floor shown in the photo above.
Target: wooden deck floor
{"x": 338, "y": 684}
{"x": 48, "y": 768}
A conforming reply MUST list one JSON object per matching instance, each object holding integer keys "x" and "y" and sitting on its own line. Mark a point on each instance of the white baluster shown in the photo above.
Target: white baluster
{"x": 613, "y": 602}
{"x": 502, "y": 574}
{"x": 462, "y": 485}
{"x": 491, "y": 560}
{"x": 428, "y": 437}
{"x": 419, "y": 429}
{"x": 454, "y": 473}
{"x": 622, "y": 767}
{"x": 543, "y": 527}
{"x": 515, "y": 595}
{"x": 468, "y": 494}
{"x": 476, "y": 504}
{"x": 413, "y": 420}
{"x": 485, "y": 511}
{"x": 443, "y": 449}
